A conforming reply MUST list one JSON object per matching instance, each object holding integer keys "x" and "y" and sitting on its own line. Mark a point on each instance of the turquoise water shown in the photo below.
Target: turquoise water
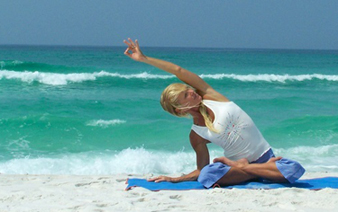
{"x": 92, "y": 110}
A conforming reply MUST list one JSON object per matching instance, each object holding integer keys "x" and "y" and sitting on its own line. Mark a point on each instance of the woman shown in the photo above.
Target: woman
{"x": 218, "y": 120}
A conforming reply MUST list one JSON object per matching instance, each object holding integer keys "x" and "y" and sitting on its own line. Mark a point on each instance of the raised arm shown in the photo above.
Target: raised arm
{"x": 133, "y": 51}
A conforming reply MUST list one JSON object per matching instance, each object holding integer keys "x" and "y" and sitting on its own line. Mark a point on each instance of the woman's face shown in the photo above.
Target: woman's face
{"x": 189, "y": 98}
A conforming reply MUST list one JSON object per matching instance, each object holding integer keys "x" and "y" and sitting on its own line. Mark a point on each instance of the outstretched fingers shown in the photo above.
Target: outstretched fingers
{"x": 159, "y": 179}
{"x": 131, "y": 46}
{"x": 127, "y": 43}
{"x": 131, "y": 41}
{"x": 133, "y": 50}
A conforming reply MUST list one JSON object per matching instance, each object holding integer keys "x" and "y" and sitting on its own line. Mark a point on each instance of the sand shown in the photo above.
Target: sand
{"x": 107, "y": 193}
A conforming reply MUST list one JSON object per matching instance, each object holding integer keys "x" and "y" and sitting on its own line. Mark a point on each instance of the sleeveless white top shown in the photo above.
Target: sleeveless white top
{"x": 237, "y": 133}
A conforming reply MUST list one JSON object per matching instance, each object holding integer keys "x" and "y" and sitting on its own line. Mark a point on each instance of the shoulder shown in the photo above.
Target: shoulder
{"x": 215, "y": 96}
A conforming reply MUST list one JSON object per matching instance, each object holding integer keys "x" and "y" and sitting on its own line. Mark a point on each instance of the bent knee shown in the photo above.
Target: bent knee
{"x": 211, "y": 173}
{"x": 290, "y": 169}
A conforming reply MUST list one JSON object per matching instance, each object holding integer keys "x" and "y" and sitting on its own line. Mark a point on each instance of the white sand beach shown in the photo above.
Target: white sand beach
{"x": 107, "y": 193}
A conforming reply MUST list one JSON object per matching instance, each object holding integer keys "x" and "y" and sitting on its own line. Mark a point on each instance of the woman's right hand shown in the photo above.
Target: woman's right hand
{"x": 134, "y": 48}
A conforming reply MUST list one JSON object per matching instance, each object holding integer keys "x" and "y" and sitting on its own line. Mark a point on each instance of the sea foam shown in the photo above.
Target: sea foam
{"x": 146, "y": 161}
{"x": 64, "y": 79}
{"x": 131, "y": 161}
{"x": 105, "y": 123}
{"x": 271, "y": 77}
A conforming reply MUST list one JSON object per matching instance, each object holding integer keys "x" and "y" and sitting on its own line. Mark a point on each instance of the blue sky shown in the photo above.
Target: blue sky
{"x": 282, "y": 24}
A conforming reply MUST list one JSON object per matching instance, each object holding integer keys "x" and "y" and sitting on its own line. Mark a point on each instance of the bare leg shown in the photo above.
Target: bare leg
{"x": 266, "y": 170}
{"x": 235, "y": 176}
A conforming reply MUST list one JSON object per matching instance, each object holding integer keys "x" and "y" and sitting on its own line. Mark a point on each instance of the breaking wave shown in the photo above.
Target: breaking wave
{"x": 64, "y": 79}
{"x": 105, "y": 123}
{"x": 143, "y": 161}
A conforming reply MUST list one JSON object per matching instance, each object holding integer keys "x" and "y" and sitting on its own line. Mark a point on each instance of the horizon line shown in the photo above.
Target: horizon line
{"x": 185, "y": 47}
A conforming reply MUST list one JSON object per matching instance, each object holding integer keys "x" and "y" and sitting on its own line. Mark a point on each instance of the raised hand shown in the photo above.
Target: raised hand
{"x": 133, "y": 51}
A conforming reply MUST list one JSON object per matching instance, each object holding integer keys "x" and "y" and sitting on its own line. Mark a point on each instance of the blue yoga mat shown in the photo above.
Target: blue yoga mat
{"x": 313, "y": 184}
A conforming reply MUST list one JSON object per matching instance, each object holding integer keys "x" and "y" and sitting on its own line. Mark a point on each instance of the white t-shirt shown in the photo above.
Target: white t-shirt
{"x": 237, "y": 133}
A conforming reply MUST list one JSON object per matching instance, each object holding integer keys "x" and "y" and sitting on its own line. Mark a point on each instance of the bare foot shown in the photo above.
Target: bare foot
{"x": 239, "y": 163}
{"x": 274, "y": 159}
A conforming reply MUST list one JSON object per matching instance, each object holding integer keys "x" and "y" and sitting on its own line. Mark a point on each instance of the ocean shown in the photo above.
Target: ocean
{"x": 92, "y": 110}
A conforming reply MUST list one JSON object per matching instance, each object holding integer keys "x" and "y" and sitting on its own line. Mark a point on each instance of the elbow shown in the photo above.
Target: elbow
{"x": 178, "y": 70}
{"x": 198, "y": 172}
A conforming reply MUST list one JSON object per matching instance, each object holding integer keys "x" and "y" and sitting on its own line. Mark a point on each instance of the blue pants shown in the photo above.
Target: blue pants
{"x": 290, "y": 169}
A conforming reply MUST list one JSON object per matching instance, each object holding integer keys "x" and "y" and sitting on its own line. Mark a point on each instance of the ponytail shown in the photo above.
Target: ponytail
{"x": 207, "y": 118}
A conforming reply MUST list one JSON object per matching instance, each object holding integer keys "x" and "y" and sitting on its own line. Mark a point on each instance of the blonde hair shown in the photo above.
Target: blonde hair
{"x": 169, "y": 102}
